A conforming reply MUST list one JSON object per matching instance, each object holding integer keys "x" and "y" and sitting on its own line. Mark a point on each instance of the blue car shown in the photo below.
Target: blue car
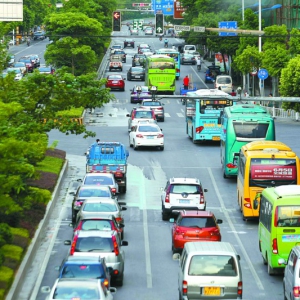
{"x": 85, "y": 267}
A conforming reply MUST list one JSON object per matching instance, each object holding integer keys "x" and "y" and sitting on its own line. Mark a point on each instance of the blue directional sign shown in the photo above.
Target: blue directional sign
{"x": 165, "y": 7}
{"x": 228, "y": 25}
{"x": 263, "y": 74}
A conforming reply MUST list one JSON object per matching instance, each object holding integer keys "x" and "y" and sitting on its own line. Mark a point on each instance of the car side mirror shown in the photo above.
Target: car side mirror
{"x": 67, "y": 242}
{"x": 72, "y": 193}
{"x": 219, "y": 221}
{"x": 205, "y": 190}
{"x": 124, "y": 243}
{"x": 128, "y": 115}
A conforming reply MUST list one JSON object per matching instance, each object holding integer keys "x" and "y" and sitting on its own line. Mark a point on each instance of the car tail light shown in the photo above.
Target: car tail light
{"x": 296, "y": 291}
{"x": 115, "y": 272}
{"x": 159, "y": 108}
{"x": 119, "y": 220}
{"x": 199, "y": 129}
{"x": 248, "y": 204}
{"x": 113, "y": 190}
{"x": 201, "y": 199}
{"x": 116, "y": 247}
{"x": 160, "y": 136}
{"x": 215, "y": 232}
{"x": 139, "y": 136}
{"x": 106, "y": 283}
{"x": 184, "y": 287}
{"x": 73, "y": 246}
{"x": 78, "y": 204}
{"x": 179, "y": 231}
{"x": 240, "y": 288}
{"x": 231, "y": 166}
{"x": 274, "y": 246}
{"x": 132, "y": 116}
{"x": 167, "y": 199}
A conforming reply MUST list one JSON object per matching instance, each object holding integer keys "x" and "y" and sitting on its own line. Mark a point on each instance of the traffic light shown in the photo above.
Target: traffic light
{"x": 116, "y": 21}
{"x": 159, "y": 24}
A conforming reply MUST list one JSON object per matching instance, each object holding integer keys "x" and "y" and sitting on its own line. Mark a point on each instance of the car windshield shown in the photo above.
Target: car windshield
{"x": 76, "y": 291}
{"x": 94, "y": 244}
{"x": 148, "y": 129}
{"x": 185, "y": 188}
{"x": 151, "y": 103}
{"x": 19, "y": 64}
{"x": 14, "y": 70}
{"x": 114, "y": 77}
{"x": 143, "y": 114}
{"x": 93, "y": 193}
{"x": 83, "y": 271}
{"x": 96, "y": 225}
{"x": 100, "y": 207}
{"x": 197, "y": 222}
{"x": 104, "y": 180}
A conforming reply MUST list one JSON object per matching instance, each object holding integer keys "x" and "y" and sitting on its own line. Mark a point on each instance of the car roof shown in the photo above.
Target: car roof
{"x": 184, "y": 180}
{"x": 94, "y": 187}
{"x": 196, "y": 213}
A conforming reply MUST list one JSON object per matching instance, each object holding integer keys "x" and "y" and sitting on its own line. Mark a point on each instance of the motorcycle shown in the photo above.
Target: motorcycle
{"x": 198, "y": 67}
{"x": 28, "y": 43}
{"x": 166, "y": 45}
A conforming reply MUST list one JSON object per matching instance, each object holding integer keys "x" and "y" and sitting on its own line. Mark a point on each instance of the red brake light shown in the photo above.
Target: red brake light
{"x": 248, "y": 204}
{"x": 231, "y": 166}
{"x": 201, "y": 199}
{"x": 199, "y": 129}
{"x": 119, "y": 220}
{"x": 275, "y": 246}
{"x": 139, "y": 136}
{"x": 106, "y": 283}
{"x": 184, "y": 287}
{"x": 167, "y": 199}
{"x": 160, "y": 135}
{"x": 116, "y": 248}
{"x": 72, "y": 250}
{"x": 276, "y": 217}
{"x": 113, "y": 190}
{"x": 296, "y": 291}
{"x": 240, "y": 288}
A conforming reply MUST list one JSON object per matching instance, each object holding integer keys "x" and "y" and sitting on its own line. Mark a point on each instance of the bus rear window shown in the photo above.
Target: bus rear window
{"x": 250, "y": 130}
{"x": 288, "y": 216}
{"x": 161, "y": 65}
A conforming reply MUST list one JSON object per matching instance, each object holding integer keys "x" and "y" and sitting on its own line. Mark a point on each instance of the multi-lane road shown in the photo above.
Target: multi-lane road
{"x": 150, "y": 272}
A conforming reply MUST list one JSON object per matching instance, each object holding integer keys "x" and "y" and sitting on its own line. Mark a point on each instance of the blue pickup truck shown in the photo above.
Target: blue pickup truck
{"x": 108, "y": 157}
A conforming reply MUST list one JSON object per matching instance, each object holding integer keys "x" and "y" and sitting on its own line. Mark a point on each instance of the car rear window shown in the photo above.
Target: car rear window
{"x": 197, "y": 222}
{"x": 185, "y": 188}
{"x": 212, "y": 265}
{"x": 143, "y": 114}
{"x": 96, "y": 225}
{"x": 99, "y": 207}
{"x": 224, "y": 80}
{"x": 148, "y": 129}
{"x": 94, "y": 244}
{"x": 83, "y": 271}
{"x": 104, "y": 180}
{"x": 151, "y": 103}
{"x": 93, "y": 193}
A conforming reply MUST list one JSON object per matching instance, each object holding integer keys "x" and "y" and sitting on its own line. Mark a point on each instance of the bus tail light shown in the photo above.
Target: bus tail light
{"x": 276, "y": 217}
{"x": 247, "y": 203}
{"x": 296, "y": 291}
{"x": 240, "y": 288}
{"x": 274, "y": 246}
{"x": 231, "y": 166}
{"x": 199, "y": 129}
{"x": 184, "y": 287}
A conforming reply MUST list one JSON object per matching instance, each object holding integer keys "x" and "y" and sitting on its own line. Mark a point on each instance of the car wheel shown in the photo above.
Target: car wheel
{"x": 130, "y": 145}
{"x": 109, "y": 69}
{"x": 131, "y": 100}
{"x": 270, "y": 269}
{"x": 162, "y": 148}
{"x": 119, "y": 281}
{"x": 122, "y": 234}
{"x": 125, "y": 61}
{"x": 135, "y": 147}
{"x": 73, "y": 217}
{"x": 128, "y": 78}
{"x": 123, "y": 89}
{"x": 164, "y": 215}
{"x": 121, "y": 69}
{"x": 162, "y": 120}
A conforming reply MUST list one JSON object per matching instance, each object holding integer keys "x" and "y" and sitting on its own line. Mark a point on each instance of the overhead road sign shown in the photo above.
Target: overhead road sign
{"x": 178, "y": 10}
{"x": 228, "y": 25}
{"x": 182, "y": 28}
{"x": 199, "y": 29}
{"x": 141, "y": 4}
{"x": 165, "y": 7}
{"x": 242, "y": 31}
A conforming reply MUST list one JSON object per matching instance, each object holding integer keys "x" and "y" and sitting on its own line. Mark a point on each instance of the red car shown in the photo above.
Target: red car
{"x": 115, "y": 82}
{"x": 101, "y": 223}
{"x": 194, "y": 226}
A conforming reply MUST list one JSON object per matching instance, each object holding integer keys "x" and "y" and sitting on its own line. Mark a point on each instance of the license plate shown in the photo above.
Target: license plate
{"x": 150, "y": 137}
{"x": 212, "y": 291}
{"x": 137, "y": 76}
{"x": 184, "y": 201}
{"x": 114, "y": 81}
{"x": 216, "y": 138}
{"x": 224, "y": 87}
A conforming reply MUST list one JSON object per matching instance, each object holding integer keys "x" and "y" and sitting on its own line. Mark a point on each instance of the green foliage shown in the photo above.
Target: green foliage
{"x": 5, "y": 234}
{"x": 6, "y": 273}
{"x": 294, "y": 42}
{"x": 19, "y": 231}
{"x": 276, "y": 37}
{"x": 12, "y": 251}
{"x": 50, "y": 164}
{"x": 72, "y": 113}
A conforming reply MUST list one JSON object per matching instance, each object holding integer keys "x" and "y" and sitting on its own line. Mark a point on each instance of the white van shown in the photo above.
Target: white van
{"x": 224, "y": 83}
{"x": 209, "y": 270}
{"x": 189, "y": 49}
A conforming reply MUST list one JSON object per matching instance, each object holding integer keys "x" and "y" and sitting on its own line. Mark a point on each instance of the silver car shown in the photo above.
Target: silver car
{"x": 106, "y": 244}
{"x": 103, "y": 179}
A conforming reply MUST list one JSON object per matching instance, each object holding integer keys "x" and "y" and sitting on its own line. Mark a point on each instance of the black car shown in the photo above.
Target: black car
{"x": 136, "y": 73}
{"x": 139, "y": 60}
{"x": 188, "y": 59}
{"x": 129, "y": 43}
{"x": 122, "y": 53}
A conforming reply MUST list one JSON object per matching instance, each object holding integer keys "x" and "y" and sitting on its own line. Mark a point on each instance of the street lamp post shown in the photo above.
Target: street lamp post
{"x": 153, "y": 91}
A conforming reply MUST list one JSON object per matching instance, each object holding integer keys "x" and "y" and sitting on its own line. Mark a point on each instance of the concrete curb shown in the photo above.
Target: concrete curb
{"x": 36, "y": 241}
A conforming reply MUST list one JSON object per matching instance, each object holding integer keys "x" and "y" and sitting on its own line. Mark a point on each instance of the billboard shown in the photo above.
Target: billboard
{"x": 165, "y": 7}
{"x": 11, "y": 10}
{"x": 178, "y": 10}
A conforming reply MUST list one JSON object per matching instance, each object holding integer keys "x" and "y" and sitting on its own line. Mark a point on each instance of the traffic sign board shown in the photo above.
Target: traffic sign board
{"x": 254, "y": 71}
{"x": 263, "y": 74}
{"x": 228, "y": 25}
{"x": 199, "y": 29}
{"x": 182, "y": 28}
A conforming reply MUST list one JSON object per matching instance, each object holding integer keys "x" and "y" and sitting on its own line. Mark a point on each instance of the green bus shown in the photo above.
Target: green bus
{"x": 161, "y": 72}
{"x": 241, "y": 124}
{"x": 279, "y": 224}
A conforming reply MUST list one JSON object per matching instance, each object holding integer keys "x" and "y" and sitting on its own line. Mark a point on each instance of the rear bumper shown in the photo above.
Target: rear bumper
{"x": 171, "y": 209}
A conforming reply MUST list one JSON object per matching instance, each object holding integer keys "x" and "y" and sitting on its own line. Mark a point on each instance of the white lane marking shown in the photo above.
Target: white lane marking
{"x": 167, "y": 115}
{"x": 234, "y": 232}
{"x": 146, "y": 233}
{"x": 180, "y": 115}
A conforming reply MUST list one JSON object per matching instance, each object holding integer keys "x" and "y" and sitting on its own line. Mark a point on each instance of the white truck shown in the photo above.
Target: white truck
{"x": 115, "y": 62}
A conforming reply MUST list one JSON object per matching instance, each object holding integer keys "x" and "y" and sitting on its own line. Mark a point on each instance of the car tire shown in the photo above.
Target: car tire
{"x": 134, "y": 146}
{"x": 121, "y": 69}
{"x": 162, "y": 120}
{"x": 122, "y": 234}
{"x": 119, "y": 281}
{"x": 162, "y": 148}
{"x": 130, "y": 145}
{"x": 109, "y": 69}
{"x": 128, "y": 78}
{"x": 164, "y": 215}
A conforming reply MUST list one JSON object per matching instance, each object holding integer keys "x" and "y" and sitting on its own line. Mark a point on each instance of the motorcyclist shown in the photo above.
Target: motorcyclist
{"x": 166, "y": 43}
{"x": 198, "y": 60}
{"x": 28, "y": 41}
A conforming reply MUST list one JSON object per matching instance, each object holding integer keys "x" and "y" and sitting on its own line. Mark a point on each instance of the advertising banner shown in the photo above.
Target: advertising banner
{"x": 178, "y": 10}
{"x": 273, "y": 172}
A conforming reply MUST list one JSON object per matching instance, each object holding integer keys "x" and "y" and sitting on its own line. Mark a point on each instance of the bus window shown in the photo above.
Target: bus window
{"x": 287, "y": 216}
{"x": 245, "y": 130}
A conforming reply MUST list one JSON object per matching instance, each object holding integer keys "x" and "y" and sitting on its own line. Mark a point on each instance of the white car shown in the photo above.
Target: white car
{"x": 80, "y": 288}
{"x": 21, "y": 65}
{"x": 146, "y": 134}
{"x": 17, "y": 71}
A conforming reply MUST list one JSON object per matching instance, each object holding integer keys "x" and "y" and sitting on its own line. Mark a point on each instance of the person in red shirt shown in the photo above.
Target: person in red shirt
{"x": 186, "y": 82}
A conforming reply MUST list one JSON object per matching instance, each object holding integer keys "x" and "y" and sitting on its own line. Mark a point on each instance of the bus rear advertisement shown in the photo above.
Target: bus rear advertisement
{"x": 242, "y": 124}
{"x": 262, "y": 165}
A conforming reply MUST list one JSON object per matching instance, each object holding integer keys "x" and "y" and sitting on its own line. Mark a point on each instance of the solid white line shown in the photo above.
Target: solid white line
{"x": 234, "y": 231}
{"x": 146, "y": 233}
